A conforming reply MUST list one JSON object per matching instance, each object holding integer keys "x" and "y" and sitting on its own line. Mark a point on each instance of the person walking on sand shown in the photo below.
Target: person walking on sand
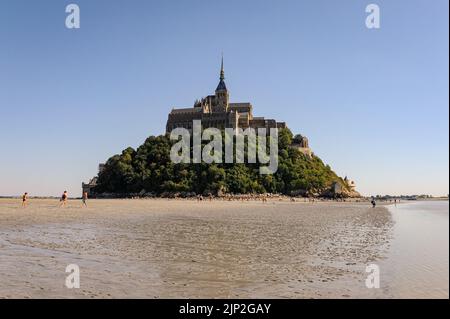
{"x": 373, "y": 203}
{"x": 63, "y": 199}
{"x": 25, "y": 200}
{"x": 84, "y": 199}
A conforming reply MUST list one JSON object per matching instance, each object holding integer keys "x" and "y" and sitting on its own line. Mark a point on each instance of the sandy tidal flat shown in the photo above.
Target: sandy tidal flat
{"x": 178, "y": 249}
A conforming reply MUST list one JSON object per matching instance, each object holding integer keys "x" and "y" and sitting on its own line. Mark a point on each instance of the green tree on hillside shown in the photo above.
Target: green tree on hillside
{"x": 150, "y": 169}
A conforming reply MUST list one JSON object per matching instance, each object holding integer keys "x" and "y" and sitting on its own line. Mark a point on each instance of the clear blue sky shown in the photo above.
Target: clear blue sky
{"x": 374, "y": 103}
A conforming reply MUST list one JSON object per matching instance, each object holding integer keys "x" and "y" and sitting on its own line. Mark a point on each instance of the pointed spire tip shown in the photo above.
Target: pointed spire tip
{"x": 222, "y": 71}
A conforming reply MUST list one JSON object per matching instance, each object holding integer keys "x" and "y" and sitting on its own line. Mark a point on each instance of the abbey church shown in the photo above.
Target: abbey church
{"x": 217, "y": 111}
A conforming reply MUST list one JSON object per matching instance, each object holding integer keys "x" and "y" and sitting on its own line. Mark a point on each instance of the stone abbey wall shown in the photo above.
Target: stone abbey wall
{"x": 216, "y": 111}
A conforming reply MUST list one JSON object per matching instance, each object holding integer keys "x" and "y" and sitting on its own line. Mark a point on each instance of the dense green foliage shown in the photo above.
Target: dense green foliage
{"x": 149, "y": 169}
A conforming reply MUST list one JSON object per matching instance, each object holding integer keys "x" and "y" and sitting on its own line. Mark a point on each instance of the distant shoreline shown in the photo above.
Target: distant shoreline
{"x": 238, "y": 197}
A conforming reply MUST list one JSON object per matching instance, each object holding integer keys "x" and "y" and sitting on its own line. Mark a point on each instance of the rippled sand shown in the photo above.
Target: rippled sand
{"x": 179, "y": 249}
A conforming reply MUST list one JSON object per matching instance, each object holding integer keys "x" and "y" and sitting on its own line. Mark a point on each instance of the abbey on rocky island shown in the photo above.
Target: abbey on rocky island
{"x": 217, "y": 111}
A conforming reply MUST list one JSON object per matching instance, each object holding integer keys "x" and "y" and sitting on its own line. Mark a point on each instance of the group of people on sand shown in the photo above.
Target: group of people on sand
{"x": 65, "y": 196}
{"x": 234, "y": 198}
{"x": 63, "y": 200}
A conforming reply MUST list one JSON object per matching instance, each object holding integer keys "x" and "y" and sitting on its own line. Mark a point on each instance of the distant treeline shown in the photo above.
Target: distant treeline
{"x": 149, "y": 169}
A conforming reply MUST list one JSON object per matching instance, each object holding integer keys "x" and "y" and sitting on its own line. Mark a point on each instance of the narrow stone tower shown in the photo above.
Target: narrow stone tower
{"x": 222, "y": 95}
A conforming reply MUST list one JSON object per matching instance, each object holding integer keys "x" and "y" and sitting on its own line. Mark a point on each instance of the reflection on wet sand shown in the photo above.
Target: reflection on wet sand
{"x": 417, "y": 264}
{"x": 171, "y": 249}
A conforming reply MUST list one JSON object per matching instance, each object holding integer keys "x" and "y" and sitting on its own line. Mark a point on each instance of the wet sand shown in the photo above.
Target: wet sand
{"x": 187, "y": 249}
{"x": 418, "y": 260}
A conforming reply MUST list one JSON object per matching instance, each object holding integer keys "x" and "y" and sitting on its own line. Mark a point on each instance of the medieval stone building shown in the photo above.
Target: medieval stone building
{"x": 301, "y": 143}
{"x": 217, "y": 111}
{"x": 88, "y": 187}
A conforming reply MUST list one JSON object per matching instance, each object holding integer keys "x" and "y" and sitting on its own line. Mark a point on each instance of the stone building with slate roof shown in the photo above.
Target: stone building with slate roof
{"x": 217, "y": 111}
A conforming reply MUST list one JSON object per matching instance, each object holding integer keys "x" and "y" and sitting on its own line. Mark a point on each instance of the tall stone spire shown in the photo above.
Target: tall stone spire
{"x": 222, "y": 86}
{"x": 222, "y": 96}
{"x": 222, "y": 72}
